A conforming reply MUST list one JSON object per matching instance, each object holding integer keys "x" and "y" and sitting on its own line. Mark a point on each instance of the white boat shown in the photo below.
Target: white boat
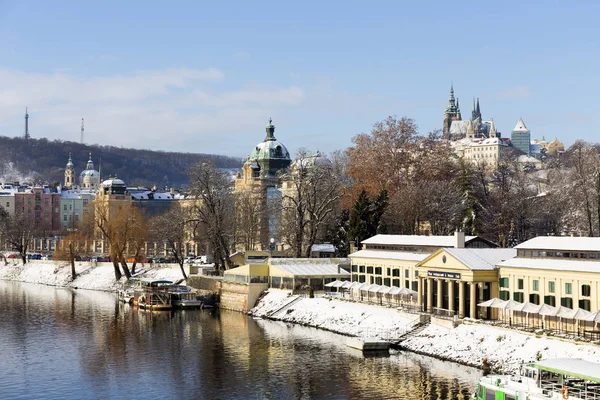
{"x": 126, "y": 296}
{"x": 560, "y": 379}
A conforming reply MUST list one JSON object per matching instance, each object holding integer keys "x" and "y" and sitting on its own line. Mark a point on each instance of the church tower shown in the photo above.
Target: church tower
{"x": 452, "y": 113}
{"x": 69, "y": 173}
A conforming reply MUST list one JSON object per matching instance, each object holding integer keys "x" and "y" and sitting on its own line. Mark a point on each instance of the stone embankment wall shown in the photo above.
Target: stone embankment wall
{"x": 212, "y": 284}
{"x": 240, "y": 296}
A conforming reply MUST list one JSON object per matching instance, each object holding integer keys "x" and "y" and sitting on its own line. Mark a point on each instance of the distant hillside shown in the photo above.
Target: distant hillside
{"x": 43, "y": 161}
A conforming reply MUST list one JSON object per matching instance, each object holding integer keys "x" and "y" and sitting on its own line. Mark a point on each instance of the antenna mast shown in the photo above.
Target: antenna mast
{"x": 82, "y": 130}
{"x": 26, "y": 135}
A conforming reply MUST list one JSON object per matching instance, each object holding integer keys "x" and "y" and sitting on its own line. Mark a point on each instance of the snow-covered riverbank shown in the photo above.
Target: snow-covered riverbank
{"x": 100, "y": 277}
{"x": 468, "y": 344}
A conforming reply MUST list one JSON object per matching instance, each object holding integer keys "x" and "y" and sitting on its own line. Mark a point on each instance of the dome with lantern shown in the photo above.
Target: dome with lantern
{"x": 270, "y": 155}
{"x": 89, "y": 178}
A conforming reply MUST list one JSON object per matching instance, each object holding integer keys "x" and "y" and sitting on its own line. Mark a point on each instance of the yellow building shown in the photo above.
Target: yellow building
{"x": 482, "y": 152}
{"x": 452, "y": 281}
{"x": 554, "y": 270}
{"x": 391, "y": 259}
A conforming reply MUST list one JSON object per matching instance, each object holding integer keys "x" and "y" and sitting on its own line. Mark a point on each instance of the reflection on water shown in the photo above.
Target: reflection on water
{"x": 62, "y": 343}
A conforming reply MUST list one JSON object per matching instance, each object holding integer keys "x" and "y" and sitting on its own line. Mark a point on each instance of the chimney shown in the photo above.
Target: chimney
{"x": 459, "y": 237}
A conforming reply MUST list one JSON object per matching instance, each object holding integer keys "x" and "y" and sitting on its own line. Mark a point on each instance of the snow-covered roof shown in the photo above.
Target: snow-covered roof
{"x": 557, "y": 264}
{"x": 481, "y": 259}
{"x": 520, "y": 127}
{"x": 389, "y": 255}
{"x": 527, "y": 159}
{"x": 415, "y": 240}
{"x": 561, "y": 243}
{"x": 459, "y": 127}
{"x": 323, "y": 248}
{"x": 77, "y": 194}
{"x": 304, "y": 267}
{"x": 149, "y": 194}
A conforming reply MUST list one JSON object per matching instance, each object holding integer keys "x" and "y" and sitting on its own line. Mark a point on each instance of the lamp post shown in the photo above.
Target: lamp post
{"x": 271, "y": 247}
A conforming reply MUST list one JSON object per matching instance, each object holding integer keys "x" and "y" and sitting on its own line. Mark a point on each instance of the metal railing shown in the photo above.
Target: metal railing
{"x": 443, "y": 313}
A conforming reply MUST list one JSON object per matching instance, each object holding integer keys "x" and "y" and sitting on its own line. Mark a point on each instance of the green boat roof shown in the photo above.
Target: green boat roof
{"x": 571, "y": 367}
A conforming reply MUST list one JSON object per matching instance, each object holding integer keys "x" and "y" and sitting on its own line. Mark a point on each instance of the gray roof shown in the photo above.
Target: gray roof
{"x": 323, "y": 248}
{"x": 481, "y": 259}
{"x": 562, "y": 243}
{"x": 557, "y": 264}
{"x": 415, "y": 240}
{"x": 308, "y": 266}
{"x": 389, "y": 255}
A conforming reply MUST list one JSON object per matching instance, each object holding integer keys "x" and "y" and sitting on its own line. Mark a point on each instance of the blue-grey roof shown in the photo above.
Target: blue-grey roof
{"x": 481, "y": 259}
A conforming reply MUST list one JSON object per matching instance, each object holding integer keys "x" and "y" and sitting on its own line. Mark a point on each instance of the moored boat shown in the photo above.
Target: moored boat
{"x": 126, "y": 296}
{"x": 562, "y": 378}
{"x": 184, "y": 297}
{"x": 153, "y": 295}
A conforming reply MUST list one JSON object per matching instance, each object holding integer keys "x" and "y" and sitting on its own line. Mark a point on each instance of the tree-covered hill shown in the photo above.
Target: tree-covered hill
{"x": 44, "y": 161}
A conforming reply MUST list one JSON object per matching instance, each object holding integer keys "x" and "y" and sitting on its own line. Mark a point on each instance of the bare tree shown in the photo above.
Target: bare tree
{"x": 71, "y": 249}
{"x": 214, "y": 208}
{"x": 250, "y": 214}
{"x": 170, "y": 228}
{"x": 312, "y": 189}
{"x": 17, "y": 231}
{"x": 120, "y": 223}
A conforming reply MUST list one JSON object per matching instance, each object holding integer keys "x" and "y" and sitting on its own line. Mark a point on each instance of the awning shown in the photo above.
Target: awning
{"x": 374, "y": 288}
{"x": 494, "y": 303}
{"x": 527, "y": 307}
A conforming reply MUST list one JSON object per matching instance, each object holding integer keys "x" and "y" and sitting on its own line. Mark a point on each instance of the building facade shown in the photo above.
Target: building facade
{"x": 392, "y": 260}
{"x": 521, "y": 137}
{"x": 558, "y": 271}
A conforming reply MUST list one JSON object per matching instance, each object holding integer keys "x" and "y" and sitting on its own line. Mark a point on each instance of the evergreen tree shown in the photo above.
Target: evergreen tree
{"x": 378, "y": 207}
{"x": 358, "y": 229}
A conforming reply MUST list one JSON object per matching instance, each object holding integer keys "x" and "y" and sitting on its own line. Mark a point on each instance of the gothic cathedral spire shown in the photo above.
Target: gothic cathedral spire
{"x": 452, "y": 113}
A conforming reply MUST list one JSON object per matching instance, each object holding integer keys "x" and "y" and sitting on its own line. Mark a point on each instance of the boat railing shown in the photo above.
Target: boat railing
{"x": 574, "y": 390}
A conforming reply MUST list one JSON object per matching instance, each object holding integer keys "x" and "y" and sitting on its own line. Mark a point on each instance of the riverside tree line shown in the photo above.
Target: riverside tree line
{"x": 391, "y": 180}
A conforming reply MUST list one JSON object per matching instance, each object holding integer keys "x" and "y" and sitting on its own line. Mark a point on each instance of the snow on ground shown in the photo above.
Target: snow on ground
{"x": 468, "y": 344}
{"x": 335, "y": 315}
{"x": 505, "y": 349}
{"x": 100, "y": 277}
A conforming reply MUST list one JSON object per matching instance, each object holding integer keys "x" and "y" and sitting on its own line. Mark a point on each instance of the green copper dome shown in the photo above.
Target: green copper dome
{"x": 270, "y": 148}
{"x": 270, "y": 156}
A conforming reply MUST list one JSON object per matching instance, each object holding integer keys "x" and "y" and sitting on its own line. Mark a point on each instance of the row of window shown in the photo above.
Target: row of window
{"x": 586, "y": 290}
{"x": 591, "y": 255}
{"x": 378, "y": 271}
{"x": 377, "y": 280}
{"x": 534, "y": 298}
{"x": 390, "y": 247}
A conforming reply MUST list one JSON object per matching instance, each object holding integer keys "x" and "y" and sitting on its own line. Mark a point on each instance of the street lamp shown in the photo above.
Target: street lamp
{"x": 271, "y": 246}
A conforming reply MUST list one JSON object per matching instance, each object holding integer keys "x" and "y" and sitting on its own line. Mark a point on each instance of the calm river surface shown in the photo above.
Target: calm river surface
{"x": 77, "y": 344}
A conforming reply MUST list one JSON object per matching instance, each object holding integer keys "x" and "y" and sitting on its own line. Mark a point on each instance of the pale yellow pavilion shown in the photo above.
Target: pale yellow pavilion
{"x": 452, "y": 281}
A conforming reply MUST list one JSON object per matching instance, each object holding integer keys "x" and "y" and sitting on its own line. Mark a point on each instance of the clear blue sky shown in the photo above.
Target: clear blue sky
{"x": 206, "y": 76}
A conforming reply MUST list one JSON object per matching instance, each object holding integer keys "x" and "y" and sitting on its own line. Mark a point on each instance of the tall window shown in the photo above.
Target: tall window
{"x": 520, "y": 284}
{"x": 551, "y": 287}
{"x": 586, "y": 290}
{"x": 536, "y": 285}
{"x": 504, "y": 282}
{"x": 568, "y": 288}
{"x": 369, "y": 270}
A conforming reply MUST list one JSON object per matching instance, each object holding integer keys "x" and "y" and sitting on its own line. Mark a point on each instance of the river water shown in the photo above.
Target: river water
{"x": 76, "y": 344}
